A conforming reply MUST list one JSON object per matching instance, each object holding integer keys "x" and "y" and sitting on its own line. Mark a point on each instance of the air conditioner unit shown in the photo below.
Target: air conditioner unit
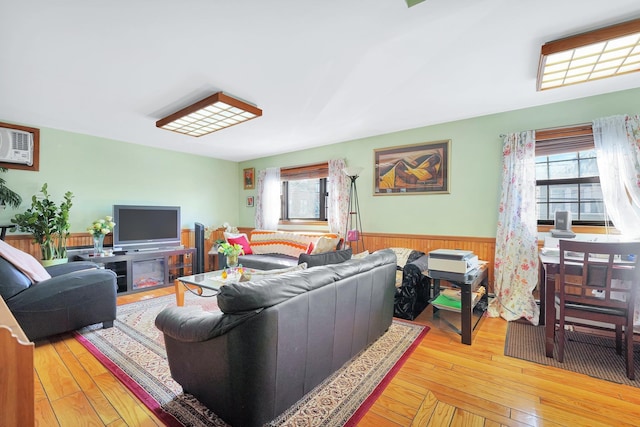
{"x": 16, "y": 146}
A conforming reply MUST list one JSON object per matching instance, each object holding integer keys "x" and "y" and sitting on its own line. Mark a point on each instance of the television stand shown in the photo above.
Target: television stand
{"x": 147, "y": 269}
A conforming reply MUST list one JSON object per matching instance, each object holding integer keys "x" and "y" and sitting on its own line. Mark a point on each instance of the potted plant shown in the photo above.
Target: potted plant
{"x": 49, "y": 225}
{"x": 8, "y": 197}
{"x": 231, "y": 251}
{"x": 98, "y": 229}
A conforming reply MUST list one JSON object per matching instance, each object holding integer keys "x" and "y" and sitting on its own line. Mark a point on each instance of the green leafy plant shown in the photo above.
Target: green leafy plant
{"x": 8, "y": 197}
{"x": 48, "y": 223}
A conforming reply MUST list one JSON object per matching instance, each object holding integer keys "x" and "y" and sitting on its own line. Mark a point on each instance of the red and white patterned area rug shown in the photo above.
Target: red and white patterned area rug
{"x": 133, "y": 350}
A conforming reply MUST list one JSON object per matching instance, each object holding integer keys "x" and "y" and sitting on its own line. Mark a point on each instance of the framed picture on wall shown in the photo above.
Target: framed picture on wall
{"x": 412, "y": 169}
{"x": 250, "y": 201}
{"x": 249, "y": 177}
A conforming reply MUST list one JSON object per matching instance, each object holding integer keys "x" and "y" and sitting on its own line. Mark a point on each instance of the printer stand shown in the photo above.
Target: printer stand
{"x": 467, "y": 288}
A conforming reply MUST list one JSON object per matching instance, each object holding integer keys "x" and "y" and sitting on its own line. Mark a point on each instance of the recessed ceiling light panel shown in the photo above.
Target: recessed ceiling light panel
{"x": 598, "y": 54}
{"x": 216, "y": 112}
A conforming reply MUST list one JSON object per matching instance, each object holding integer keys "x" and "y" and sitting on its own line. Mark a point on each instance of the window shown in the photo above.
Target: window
{"x": 304, "y": 193}
{"x": 567, "y": 176}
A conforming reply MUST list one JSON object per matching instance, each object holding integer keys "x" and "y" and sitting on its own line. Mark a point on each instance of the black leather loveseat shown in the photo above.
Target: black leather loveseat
{"x": 77, "y": 295}
{"x": 278, "y": 338}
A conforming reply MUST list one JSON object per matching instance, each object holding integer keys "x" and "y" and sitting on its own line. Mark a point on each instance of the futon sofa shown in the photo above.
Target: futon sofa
{"x": 270, "y": 249}
{"x": 78, "y": 294}
{"x": 274, "y": 340}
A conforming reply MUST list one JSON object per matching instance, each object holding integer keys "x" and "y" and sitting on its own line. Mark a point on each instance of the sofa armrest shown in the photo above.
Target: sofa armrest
{"x": 186, "y": 324}
{"x": 418, "y": 265}
{"x": 412, "y": 272}
{"x": 70, "y": 267}
{"x": 65, "y": 290}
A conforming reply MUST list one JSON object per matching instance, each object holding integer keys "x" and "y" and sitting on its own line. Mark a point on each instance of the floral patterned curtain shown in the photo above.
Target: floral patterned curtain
{"x": 516, "y": 258}
{"x": 268, "y": 199}
{"x": 617, "y": 141}
{"x": 338, "y": 204}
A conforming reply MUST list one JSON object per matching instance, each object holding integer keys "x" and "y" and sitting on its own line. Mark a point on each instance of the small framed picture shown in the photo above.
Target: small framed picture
{"x": 250, "y": 201}
{"x": 249, "y": 175}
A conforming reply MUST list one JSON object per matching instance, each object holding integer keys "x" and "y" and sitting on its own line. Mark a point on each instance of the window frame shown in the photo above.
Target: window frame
{"x": 569, "y": 139}
{"x": 318, "y": 171}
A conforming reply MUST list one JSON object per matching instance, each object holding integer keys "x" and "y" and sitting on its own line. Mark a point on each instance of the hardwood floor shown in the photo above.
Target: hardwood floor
{"x": 444, "y": 383}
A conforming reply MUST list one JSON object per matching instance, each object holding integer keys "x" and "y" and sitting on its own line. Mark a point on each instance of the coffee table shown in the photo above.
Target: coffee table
{"x": 212, "y": 281}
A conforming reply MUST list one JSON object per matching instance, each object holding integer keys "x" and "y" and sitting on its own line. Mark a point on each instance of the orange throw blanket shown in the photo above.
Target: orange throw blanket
{"x": 24, "y": 262}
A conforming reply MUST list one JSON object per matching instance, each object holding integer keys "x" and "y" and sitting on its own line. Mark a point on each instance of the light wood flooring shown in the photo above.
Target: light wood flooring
{"x": 443, "y": 383}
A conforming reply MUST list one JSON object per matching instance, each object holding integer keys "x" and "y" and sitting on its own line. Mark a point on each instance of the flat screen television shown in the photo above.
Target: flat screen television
{"x": 146, "y": 227}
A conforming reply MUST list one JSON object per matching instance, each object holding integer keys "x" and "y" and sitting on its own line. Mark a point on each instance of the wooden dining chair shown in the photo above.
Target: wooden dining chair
{"x": 598, "y": 282}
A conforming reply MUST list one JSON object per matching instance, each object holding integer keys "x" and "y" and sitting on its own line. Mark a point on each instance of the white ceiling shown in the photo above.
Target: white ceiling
{"x": 323, "y": 71}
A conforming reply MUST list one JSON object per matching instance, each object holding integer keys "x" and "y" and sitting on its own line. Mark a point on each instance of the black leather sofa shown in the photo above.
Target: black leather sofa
{"x": 414, "y": 293}
{"x": 275, "y": 340}
{"x": 77, "y": 295}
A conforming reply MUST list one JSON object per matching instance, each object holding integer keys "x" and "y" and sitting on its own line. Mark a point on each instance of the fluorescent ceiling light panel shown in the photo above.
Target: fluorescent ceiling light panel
{"x": 216, "y": 112}
{"x": 598, "y": 54}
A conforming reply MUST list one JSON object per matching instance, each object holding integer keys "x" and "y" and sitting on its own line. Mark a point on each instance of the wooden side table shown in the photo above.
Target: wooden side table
{"x": 467, "y": 287}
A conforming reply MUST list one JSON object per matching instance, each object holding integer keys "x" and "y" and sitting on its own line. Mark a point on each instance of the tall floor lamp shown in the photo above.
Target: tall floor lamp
{"x": 353, "y": 229}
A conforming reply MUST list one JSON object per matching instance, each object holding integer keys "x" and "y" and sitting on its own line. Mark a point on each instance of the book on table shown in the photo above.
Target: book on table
{"x": 450, "y": 299}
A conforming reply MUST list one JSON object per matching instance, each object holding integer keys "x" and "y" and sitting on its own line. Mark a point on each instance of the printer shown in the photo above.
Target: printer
{"x": 452, "y": 261}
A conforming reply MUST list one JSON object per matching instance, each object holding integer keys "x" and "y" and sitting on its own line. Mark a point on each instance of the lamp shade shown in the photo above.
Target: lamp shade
{"x": 352, "y": 171}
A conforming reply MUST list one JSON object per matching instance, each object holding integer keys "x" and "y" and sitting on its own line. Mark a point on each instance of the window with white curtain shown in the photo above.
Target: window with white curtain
{"x": 305, "y": 193}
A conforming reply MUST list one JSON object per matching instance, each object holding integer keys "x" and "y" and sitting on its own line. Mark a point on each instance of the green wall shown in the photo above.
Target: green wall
{"x": 102, "y": 172}
{"x": 470, "y": 207}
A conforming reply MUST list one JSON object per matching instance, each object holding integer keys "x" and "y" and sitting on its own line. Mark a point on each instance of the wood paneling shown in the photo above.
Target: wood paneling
{"x": 484, "y": 247}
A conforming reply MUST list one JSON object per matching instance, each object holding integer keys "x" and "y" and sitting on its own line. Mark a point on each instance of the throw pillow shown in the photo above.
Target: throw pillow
{"x": 256, "y": 276}
{"x": 325, "y": 244}
{"x": 360, "y": 255}
{"x": 228, "y": 235}
{"x": 242, "y": 241}
{"x": 333, "y": 257}
{"x": 402, "y": 254}
{"x": 310, "y": 248}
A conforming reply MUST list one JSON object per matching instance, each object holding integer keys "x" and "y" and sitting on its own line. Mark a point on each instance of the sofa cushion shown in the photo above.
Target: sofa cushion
{"x": 360, "y": 255}
{"x": 256, "y": 276}
{"x": 244, "y": 296}
{"x": 406, "y": 255}
{"x": 334, "y": 257}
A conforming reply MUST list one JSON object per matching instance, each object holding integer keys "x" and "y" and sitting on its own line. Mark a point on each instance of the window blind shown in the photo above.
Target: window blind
{"x": 317, "y": 171}
{"x": 564, "y": 140}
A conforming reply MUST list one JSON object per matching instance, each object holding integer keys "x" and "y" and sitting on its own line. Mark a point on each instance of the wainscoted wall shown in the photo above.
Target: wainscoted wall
{"x": 484, "y": 247}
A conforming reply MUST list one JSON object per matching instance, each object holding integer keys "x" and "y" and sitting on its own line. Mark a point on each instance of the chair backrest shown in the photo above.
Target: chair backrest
{"x": 599, "y": 274}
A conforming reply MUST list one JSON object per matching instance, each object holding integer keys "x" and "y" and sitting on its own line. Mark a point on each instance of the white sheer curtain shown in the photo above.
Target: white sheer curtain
{"x": 338, "y": 204}
{"x": 516, "y": 258}
{"x": 617, "y": 142}
{"x": 268, "y": 199}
